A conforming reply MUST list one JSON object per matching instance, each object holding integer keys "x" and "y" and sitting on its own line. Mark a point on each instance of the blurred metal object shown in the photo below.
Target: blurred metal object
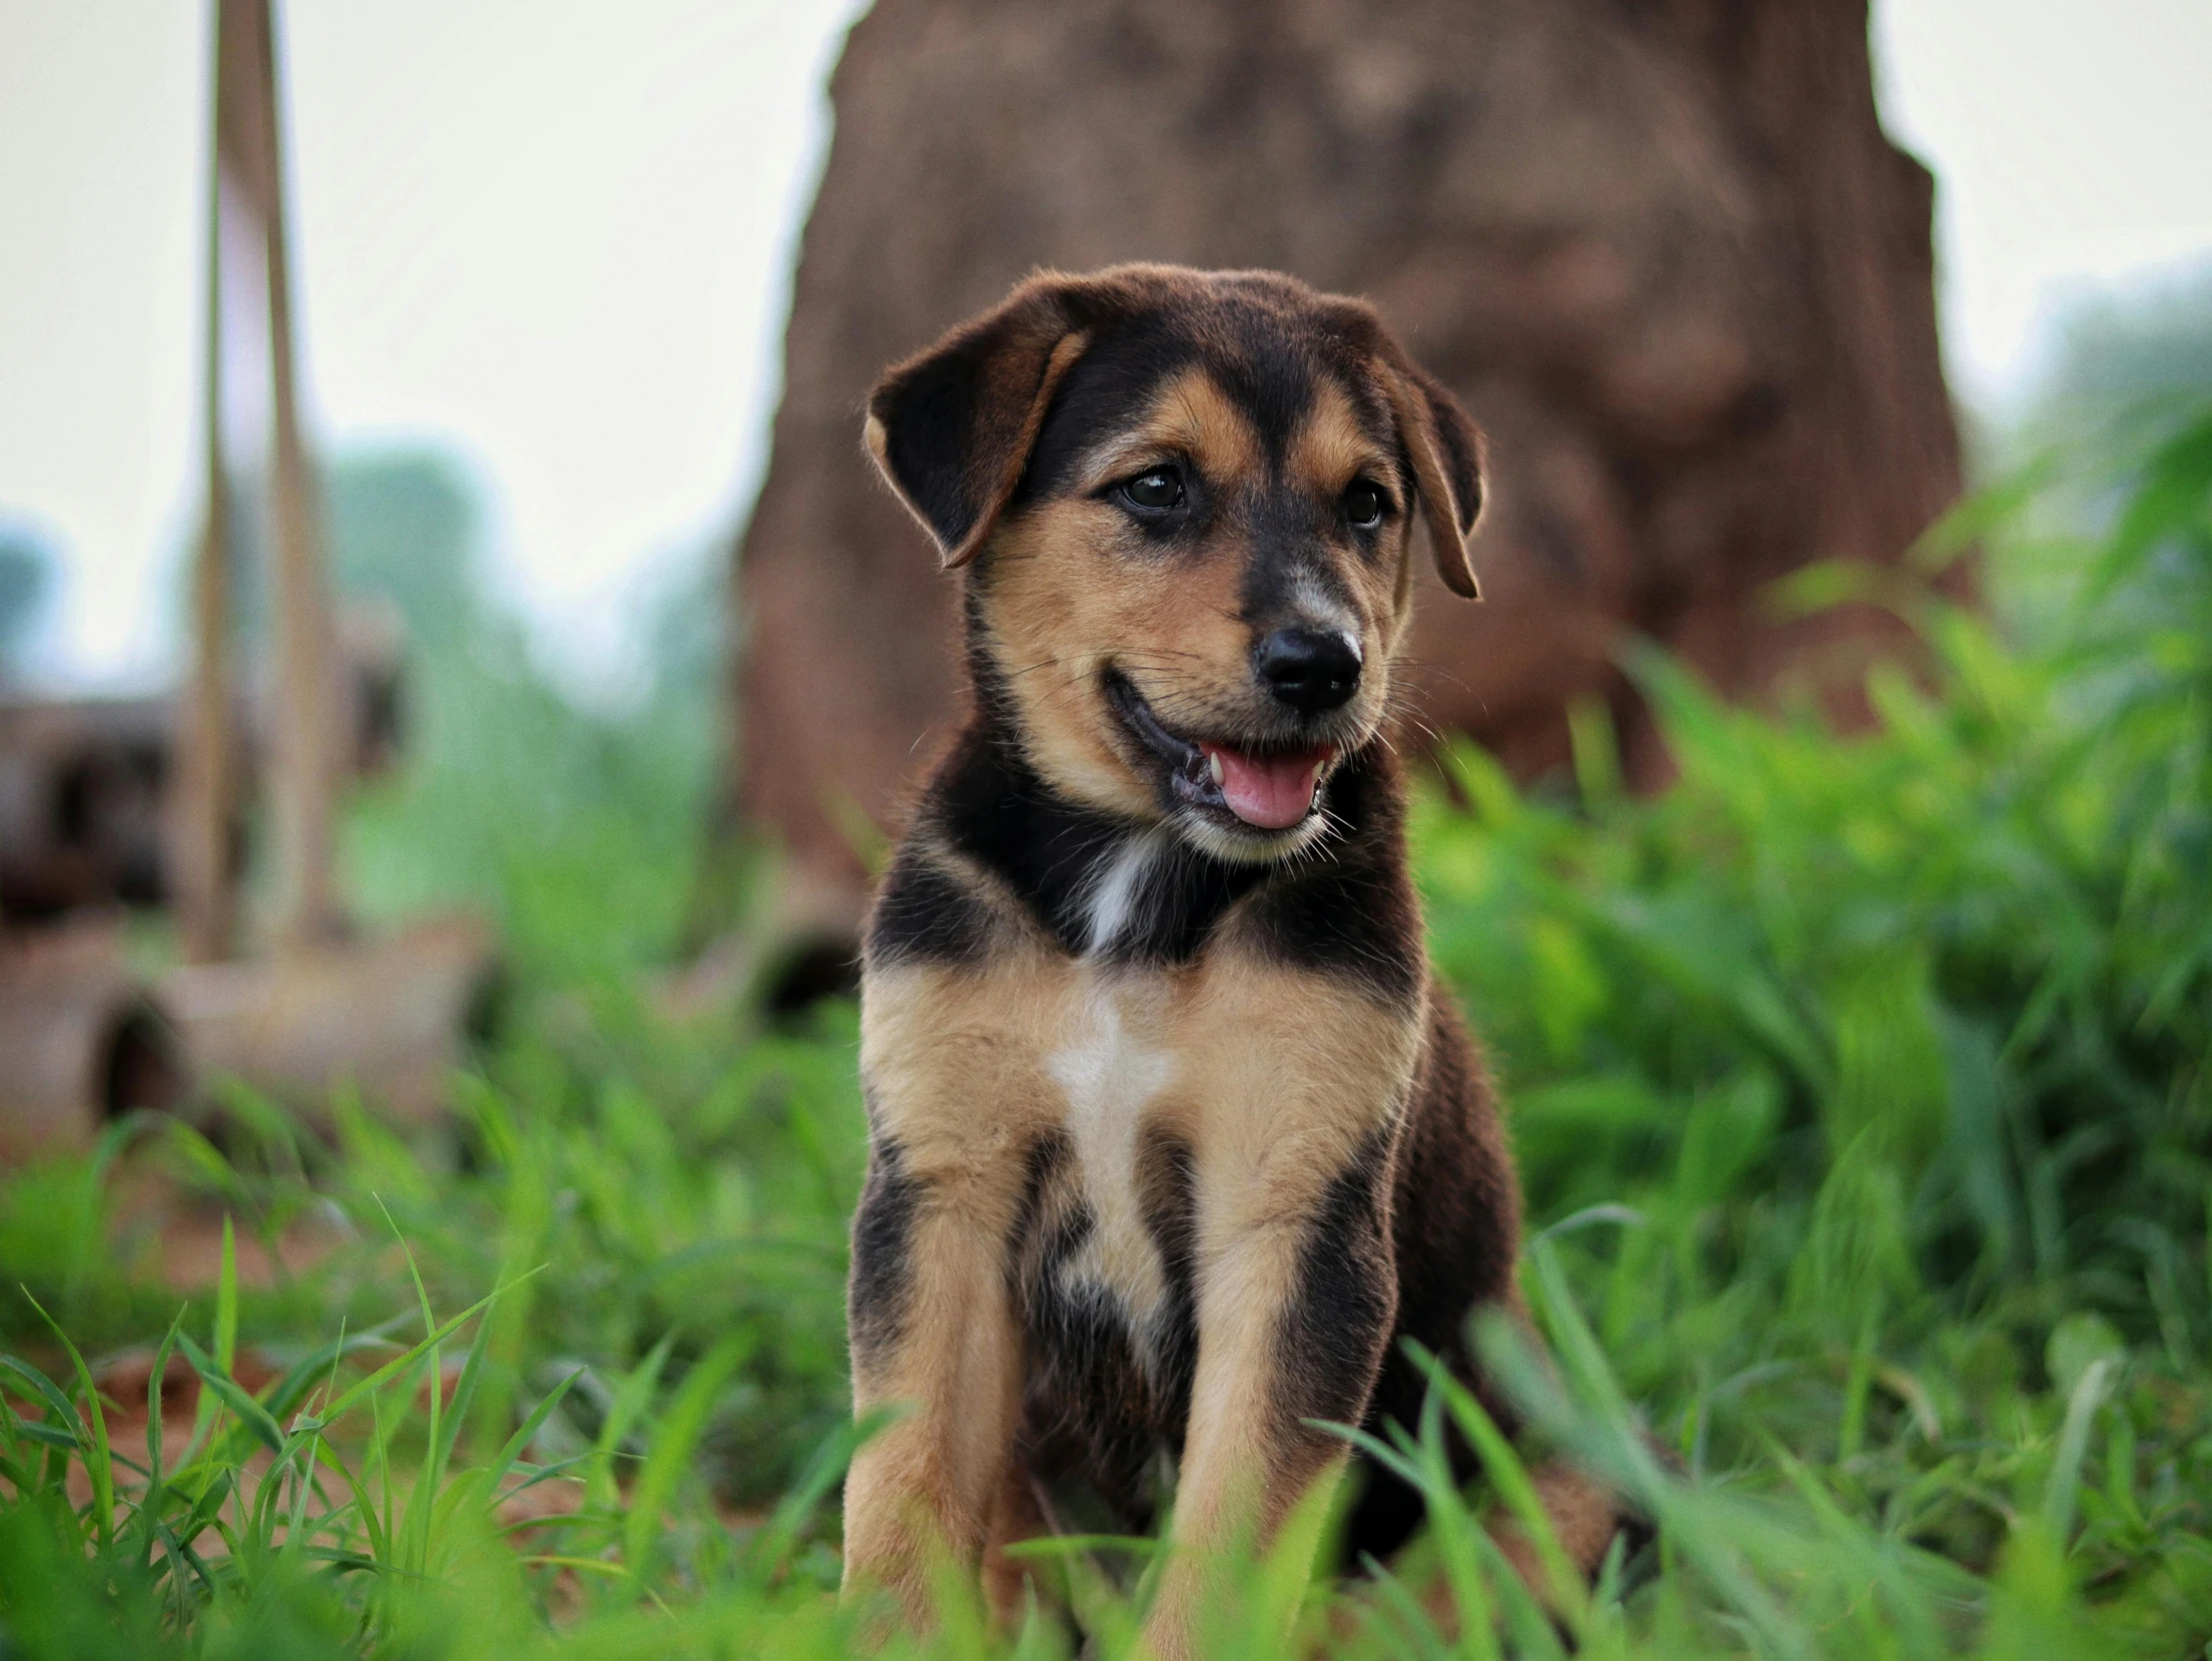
{"x": 391, "y": 1018}
{"x": 82, "y": 1040}
{"x": 81, "y": 789}
{"x": 87, "y": 805}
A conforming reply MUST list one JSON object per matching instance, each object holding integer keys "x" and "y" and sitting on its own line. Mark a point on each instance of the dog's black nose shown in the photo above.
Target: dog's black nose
{"x": 1313, "y": 670}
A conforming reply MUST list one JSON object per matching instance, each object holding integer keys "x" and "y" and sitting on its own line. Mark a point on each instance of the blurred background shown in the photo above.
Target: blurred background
{"x": 559, "y": 257}
{"x": 457, "y": 676}
{"x": 544, "y": 274}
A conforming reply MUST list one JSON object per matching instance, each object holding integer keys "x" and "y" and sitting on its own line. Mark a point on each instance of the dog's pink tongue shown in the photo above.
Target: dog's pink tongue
{"x": 1272, "y": 792}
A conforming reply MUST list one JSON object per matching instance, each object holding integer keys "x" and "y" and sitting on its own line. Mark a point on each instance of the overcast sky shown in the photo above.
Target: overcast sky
{"x": 556, "y": 238}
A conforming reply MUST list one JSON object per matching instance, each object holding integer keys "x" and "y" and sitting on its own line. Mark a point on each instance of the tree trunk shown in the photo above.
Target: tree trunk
{"x": 1662, "y": 249}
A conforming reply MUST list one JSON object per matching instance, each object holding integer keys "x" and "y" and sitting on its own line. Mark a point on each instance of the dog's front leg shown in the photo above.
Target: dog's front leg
{"x": 1296, "y": 1302}
{"x": 954, "y": 1103}
{"x": 934, "y": 1337}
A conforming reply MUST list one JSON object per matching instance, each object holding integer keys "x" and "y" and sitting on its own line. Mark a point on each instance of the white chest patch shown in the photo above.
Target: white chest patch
{"x": 1116, "y": 902}
{"x": 1109, "y": 1075}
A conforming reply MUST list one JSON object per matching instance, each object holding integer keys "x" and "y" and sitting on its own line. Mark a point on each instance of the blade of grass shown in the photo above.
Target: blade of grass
{"x": 298, "y": 1383}
{"x": 150, "y": 1502}
{"x": 365, "y": 1387}
{"x": 681, "y": 1426}
{"x": 72, "y": 1427}
{"x": 415, "y": 1524}
{"x": 1510, "y": 1480}
{"x": 225, "y": 1337}
{"x": 503, "y": 1461}
{"x": 96, "y": 1462}
{"x": 2061, "y": 1491}
{"x": 771, "y": 1547}
{"x": 216, "y": 1379}
{"x": 627, "y": 1408}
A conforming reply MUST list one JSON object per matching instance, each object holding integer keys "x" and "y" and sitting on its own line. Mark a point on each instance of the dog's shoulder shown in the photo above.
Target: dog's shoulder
{"x": 930, "y": 908}
{"x": 993, "y": 860}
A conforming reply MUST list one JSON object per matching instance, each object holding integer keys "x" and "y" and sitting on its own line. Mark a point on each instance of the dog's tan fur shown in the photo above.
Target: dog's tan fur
{"x": 1272, "y": 1080}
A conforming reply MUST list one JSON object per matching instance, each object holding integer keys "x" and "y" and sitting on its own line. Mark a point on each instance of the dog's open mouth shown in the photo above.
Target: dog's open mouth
{"x": 1264, "y": 787}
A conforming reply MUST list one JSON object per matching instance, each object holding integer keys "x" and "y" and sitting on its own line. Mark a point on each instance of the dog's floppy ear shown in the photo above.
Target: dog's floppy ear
{"x": 1446, "y": 450}
{"x": 952, "y": 428}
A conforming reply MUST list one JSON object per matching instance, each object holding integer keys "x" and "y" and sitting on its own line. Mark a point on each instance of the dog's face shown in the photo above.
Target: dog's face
{"x": 1189, "y": 499}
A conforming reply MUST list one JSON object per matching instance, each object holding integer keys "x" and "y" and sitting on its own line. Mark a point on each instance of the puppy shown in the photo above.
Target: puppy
{"x": 1173, "y": 1136}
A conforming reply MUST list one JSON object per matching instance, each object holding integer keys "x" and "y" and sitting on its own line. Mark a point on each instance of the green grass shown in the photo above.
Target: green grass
{"x": 1859, "y": 1087}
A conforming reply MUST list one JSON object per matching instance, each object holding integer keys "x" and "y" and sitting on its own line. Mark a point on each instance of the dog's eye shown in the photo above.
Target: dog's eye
{"x": 1155, "y": 491}
{"x": 1363, "y": 504}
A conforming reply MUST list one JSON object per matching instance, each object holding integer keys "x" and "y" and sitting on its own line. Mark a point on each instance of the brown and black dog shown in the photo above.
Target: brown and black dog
{"x": 1174, "y": 1134}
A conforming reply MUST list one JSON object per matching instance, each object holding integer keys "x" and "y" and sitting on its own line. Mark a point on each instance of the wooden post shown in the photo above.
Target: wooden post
{"x": 303, "y": 749}
{"x": 207, "y": 746}
{"x": 306, "y": 775}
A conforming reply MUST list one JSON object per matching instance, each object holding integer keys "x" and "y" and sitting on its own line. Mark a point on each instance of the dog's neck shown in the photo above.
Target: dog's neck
{"x": 1118, "y": 890}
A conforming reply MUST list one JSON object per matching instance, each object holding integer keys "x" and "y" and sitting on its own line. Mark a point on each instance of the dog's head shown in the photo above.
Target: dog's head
{"x": 1188, "y": 498}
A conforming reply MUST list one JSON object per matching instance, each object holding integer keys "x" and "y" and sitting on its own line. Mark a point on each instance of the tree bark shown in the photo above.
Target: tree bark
{"x": 1661, "y": 248}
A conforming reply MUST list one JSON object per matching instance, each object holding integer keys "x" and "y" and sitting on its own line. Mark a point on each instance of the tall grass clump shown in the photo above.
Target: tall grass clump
{"x": 1860, "y": 1084}
{"x": 1866, "y": 1081}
